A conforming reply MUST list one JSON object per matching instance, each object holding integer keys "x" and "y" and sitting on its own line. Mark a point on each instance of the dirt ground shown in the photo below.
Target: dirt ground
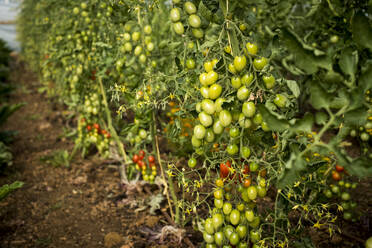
{"x": 79, "y": 206}
{"x": 84, "y": 205}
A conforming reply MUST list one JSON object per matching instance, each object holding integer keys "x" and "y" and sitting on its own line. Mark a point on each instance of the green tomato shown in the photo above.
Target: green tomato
{"x": 196, "y": 142}
{"x": 280, "y": 100}
{"x": 335, "y": 189}
{"x": 347, "y": 216}
{"x": 232, "y": 149}
{"x": 208, "y": 106}
{"x": 142, "y": 58}
{"x": 227, "y": 208}
{"x": 142, "y": 133}
{"x": 369, "y": 243}
{"x": 194, "y": 21}
{"x": 178, "y": 28}
{"x": 244, "y": 121}
{"x": 234, "y": 238}
{"x": 209, "y": 238}
{"x": 203, "y": 78}
{"x": 198, "y": 107}
{"x": 260, "y": 63}
{"x": 234, "y": 217}
{"x": 218, "y": 203}
{"x": 249, "y": 109}
{"x": 150, "y": 47}
{"x": 218, "y": 104}
{"x": 247, "y": 79}
{"x": 225, "y": 118}
{"x": 190, "y": 64}
{"x": 205, "y": 119}
{"x": 215, "y": 91}
{"x": 217, "y": 220}
{"x": 199, "y": 131}
{"x": 265, "y": 127}
{"x": 204, "y": 91}
{"x": 251, "y": 48}
{"x": 218, "y": 194}
{"x": 228, "y": 230}
{"x": 243, "y": 93}
{"x": 136, "y": 36}
{"x": 209, "y": 136}
{"x": 128, "y": 46}
{"x": 252, "y": 192}
{"x": 261, "y": 191}
{"x": 240, "y": 62}
{"x": 217, "y": 127}
{"x": 245, "y": 152}
{"x": 236, "y": 82}
{"x": 190, "y": 8}
{"x": 257, "y": 119}
{"x": 219, "y": 238}
{"x": 255, "y": 223}
{"x": 269, "y": 81}
{"x": 345, "y": 196}
{"x": 364, "y": 136}
{"x": 234, "y": 132}
{"x": 192, "y": 162}
{"x": 208, "y": 226}
{"x": 253, "y": 166}
{"x": 138, "y": 50}
{"x": 211, "y": 77}
{"x": 242, "y": 231}
{"x": 197, "y": 33}
{"x": 175, "y": 15}
{"x": 249, "y": 215}
{"x": 255, "y": 236}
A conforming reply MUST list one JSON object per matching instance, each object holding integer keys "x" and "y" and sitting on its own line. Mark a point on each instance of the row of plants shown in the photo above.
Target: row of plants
{"x": 6, "y": 110}
{"x": 255, "y": 110}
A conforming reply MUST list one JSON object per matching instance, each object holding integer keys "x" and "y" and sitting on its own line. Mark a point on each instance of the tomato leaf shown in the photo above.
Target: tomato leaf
{"x": 365, "y": 80}
{"x": 292, "y": 170}
{"x": 318, "y": 97}
{"x": 304, "y": 124}
{"x": 205, "y": 12}
{"x": 349, "y": 62}
{"x": 356, "y": 117}
{"x": 293, "y": 86}
{"x": 362, "y": 31}
{"x": 272, "y": 121}
{"x": 361, "y": 167}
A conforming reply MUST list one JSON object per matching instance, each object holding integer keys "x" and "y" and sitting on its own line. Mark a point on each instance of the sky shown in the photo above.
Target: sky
{"x": 8, "y": 12}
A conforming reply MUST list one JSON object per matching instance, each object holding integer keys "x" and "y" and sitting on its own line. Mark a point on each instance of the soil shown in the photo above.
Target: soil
{"x": 84, "y": 204}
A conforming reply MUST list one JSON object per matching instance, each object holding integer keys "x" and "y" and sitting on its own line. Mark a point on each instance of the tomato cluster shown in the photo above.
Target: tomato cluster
{"x": 149, "y": 170}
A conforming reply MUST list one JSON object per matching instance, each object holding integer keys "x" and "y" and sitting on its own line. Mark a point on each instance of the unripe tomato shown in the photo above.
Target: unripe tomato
{"x": 241, "y": 230}
{"x": 225, "y": 118}
{"x": 199, "y": 131}
{"x": 269, "y": 81}
{"x": 252, "y": 192}
{"x": 195, "y": 142}
{"x": 257, "y": 119}
{"x": 219, "y": 238}
{"x": 204, "y": 91}
{"x": 227, "y": 208}
{"x": 209, "y": 136}
{"x": 138, "y": 50}
{"x": 190, "y": 64}
{"x": 142, "y": 133}
{"x": 249, "y": 109}
{"x": 247, "y": 79}
{"x": 253, "y": 166}
{"x": 178, "y": 28}
{"x": 244, "y": 121}
{"x": 255, "y": 236}
{"x": 208, "y": 66}
{"x": 175, "y": 15}
{"x": 214, "y": 91}
{"x": 280, "y": 100}
{"x": 218, "y": 104}
{"x": 147, "y": 29}
{"x": 345, "y": 196}
{"x": 197, "y": 33}
{"x": 217, "y": 127}
{"x": 212, "y": 77}
{"x": 236, "y": 82}
{"x": 245, "y": 152}
{"x": 265, "y": 127}
{"x": 136, "y": 36}
{"x": 209, "y": 238}
{"x": 218, "y": 203}
{"x": 234, "y": 132}
{"x": 227, "y": 49}
{"x": 203, "y": 78}
{"x": 261, "y": 191}
{"x": 128, "y": 46}
{"x": 243, "y": 93}
{"x": 219, "y": 183}
{"x": 76, "y": 10}
{"x": 205, "y": 119}
{"x": 232, "y": 149}
{"x": 364, "y": 136}
{"x": 369, "y": 243}
{"x": 240, "y": 62}
{"x": 192, "y": 162}
{"x": 232, "y": 68}
{"x": 190, "y": 8}
{"x": 194, "y": 21}
{"x": 217, "y": 220}
{"x": 260, "y": 63}
{"x": 234, "y": 217}
{"x": 218, "y": 194}
{"x": 142, "y": 58}
{"x": 249, "y": 215}
{"x": 251, "y": 48}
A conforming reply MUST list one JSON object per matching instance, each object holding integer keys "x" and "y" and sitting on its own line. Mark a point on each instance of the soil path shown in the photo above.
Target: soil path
{"x": 79, "y": 206}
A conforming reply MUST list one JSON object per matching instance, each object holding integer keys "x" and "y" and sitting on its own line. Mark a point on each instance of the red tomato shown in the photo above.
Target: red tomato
{"x": 108, "y": 135}
{"x": 339, "y": 168}
{"x": 142, "y": 153}
{"x": 96, "y": 126}
{"x": 151, "y": 165}
{"x": 224, "y": 169}
{"x": 140, "y": 163}
{"x": 135, "y": 158}
{"x": 246, "y": 169}
{"x": 336, "y": 176}
{"x": 89, "y": 127}
{"x": 151, "y": 159}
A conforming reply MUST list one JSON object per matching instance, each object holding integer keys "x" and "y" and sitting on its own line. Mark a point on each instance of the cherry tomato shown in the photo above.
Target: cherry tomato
{"x": 199, "y": 131}
{"x": 234, "y": 132}
{"x": 208, "y": 226}
{"x": 203, "y": 78}
{"x": 178, "y": 28}
{"x": 245, "y": 152}
{"x": 261, "y": 191}
{"x": 252, "y": 192}
{"x": 249, "y": 109}
{"x": 208, "y": 106}
{"x": 151, "y": 159}
{"x": 251, "y": 48}
{"x": 195, "y": 142}
{"x": 211, "y": 77}
{"x": 255, "y": 236}
{"x": 243, "y": 93}
{"x": 197, "y": 33}
{"x": 280, "y": 100}
{"x": 194, "y": 21}
{"x": 247, "y": 79}
{"x": 209, "y": 238}
{"x": 345, "y": 196}
{"x": 219, "y": 238}
{"x": 135, "y": 158}
{"x": 234, "y": 217}
{"x": 209, "y": 135}
{"x": 190, "y": 64}
{"x": 224, "y": 170}
{"x": 242, "y": 231}
{"x": 257, "y": 119}
{"x": 234, "y": 238}
{"x": 205, "y": 119}
{"x": 232, "y": 149}
{"x": 232, "y": 68}
{"x": 208, "y": 66}
{"x": 236, "y": 82}
{"x": 335, "y": 189}
{"x": 339, "y": 168}
{"x": 218, "y": 203}
{"x": 225, "y": 118}
{"x": 260, "y": 63}
{"x": 214, "y": 91}
{"x": 269, "y": 81}
{"x": 219, "y": 183}
{"x": 240, "y": 62}
{"x": 217, "y": 220}
{"x": 175, "y": 15}
{"x": 227, "y": 208}
{"x": 217, "y": 127}
{"x": 204, "y": 92}
{"x": 218, "y": 194}
{"x": 190, "y": 8}
{"x": 192, "y": 162}
{"x": 249, "y": 215}
{"x": 336, "y": 176}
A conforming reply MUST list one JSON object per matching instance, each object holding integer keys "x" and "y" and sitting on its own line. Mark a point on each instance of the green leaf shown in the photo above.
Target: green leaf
{"x": 304, "y": 124}
{"x": 293, "y": 86}
{"x": 362, "y": 31}
{"x": 7, "y": 110}
{"x": 318, "y": 97}
{"x": 361, "y": 167}
{"x": 6, "y": 189}
{"x": 357, "y": 117}
{"x": 349, "y": 62}
{"x": 292, "y": 170}
{"x": 205, "y": 12}
{"x": 365, "y": 80}
{"x": 234, "y": 43}
{"x": 272, "y": 121}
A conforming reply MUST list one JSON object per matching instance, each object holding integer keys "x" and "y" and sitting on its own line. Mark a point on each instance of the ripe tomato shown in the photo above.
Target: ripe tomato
{"x": 142, "y": 153}
{"x": 140, "y": 163}
{"x": 135, "y": 158}
{"x": 96, "y": 126}
{"x": 89, "y": 127}
{"x": 339, "y": 168}
{"x": 247, "y": 182}
{"x": 151, "y": 159}
{"x": 336, "y": 176}
{"x": 224, "y": 170}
